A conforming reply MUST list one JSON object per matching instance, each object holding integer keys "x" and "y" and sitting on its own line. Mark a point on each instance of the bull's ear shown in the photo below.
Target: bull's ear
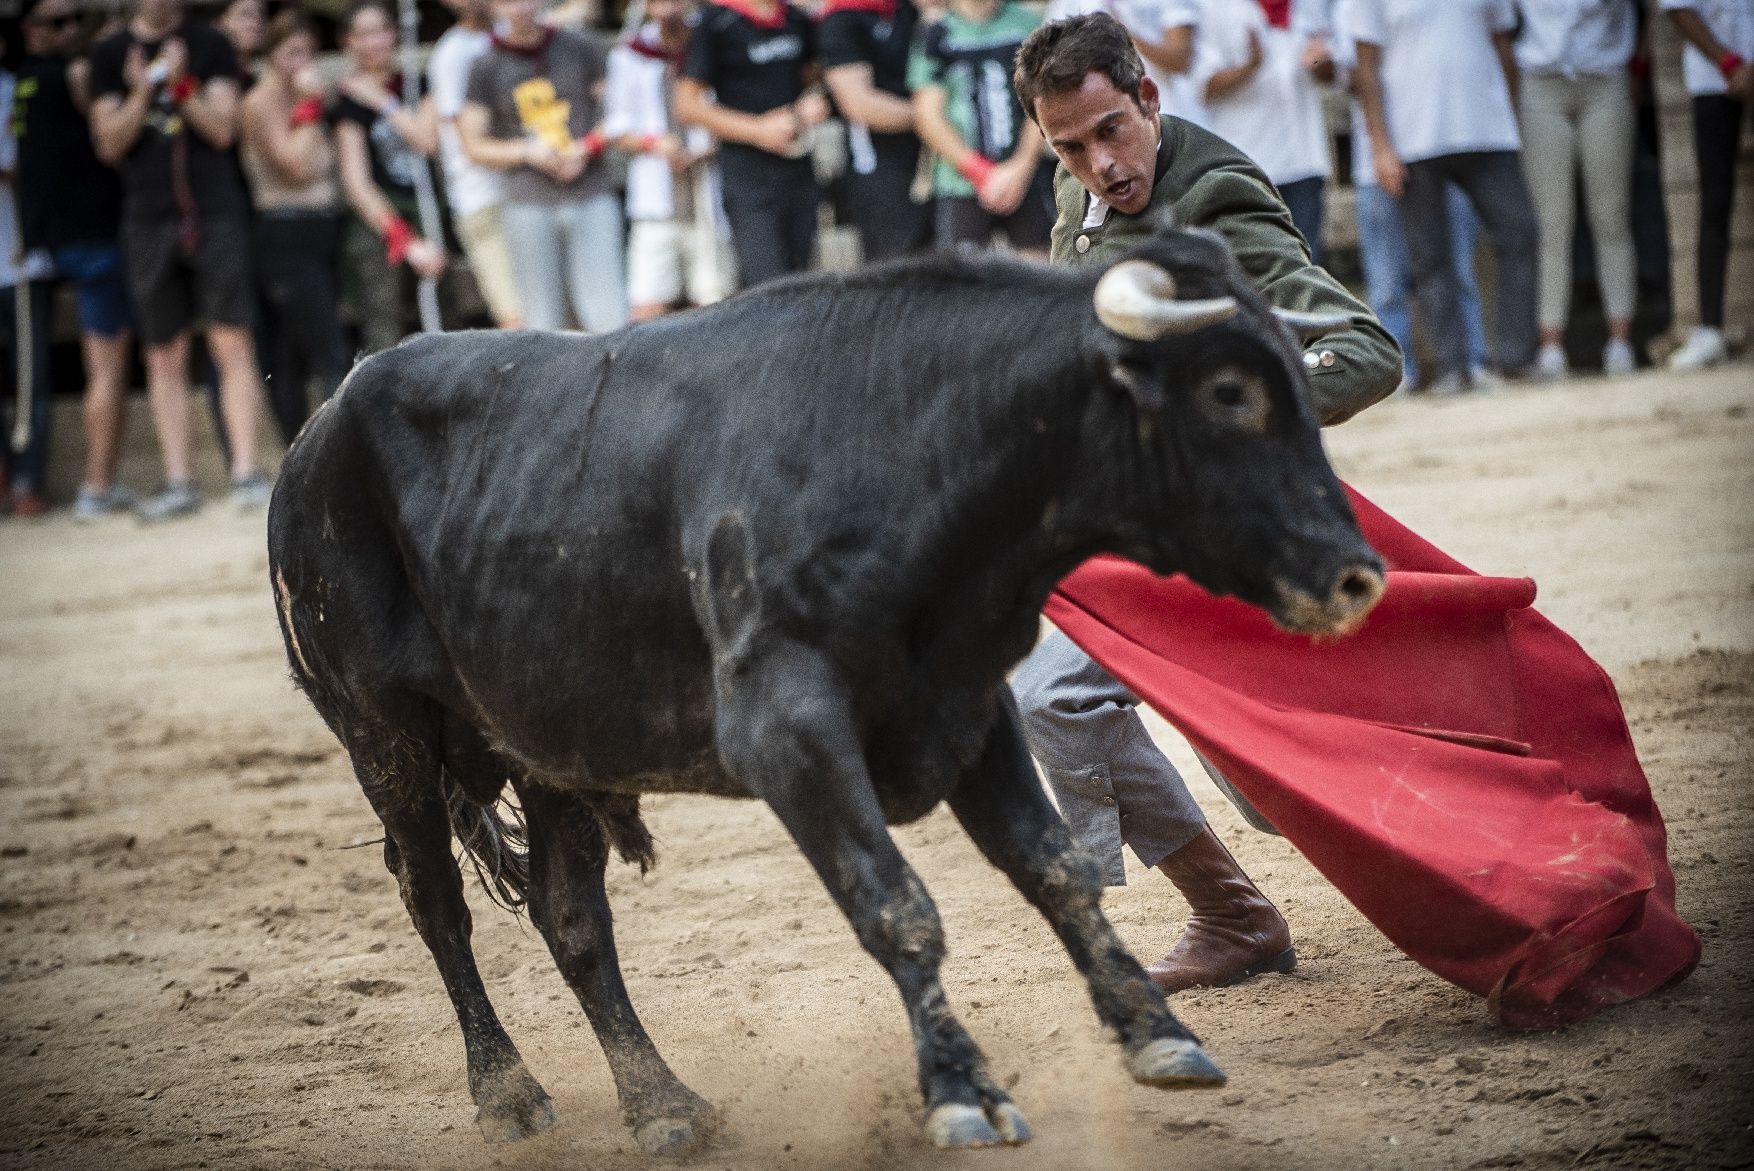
{"x": 1138, "y": 383}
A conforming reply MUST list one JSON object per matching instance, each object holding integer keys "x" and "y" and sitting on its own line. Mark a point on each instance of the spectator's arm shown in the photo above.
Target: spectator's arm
{"x": 1692, "y": 26}
{"x": 1391, "y": 172}
{"x": 212, "y": 112}
{"x": 1173, "y": 54}
{"x": 858, "y": 97}
{"x": 290, "y": 150}
{"x": 1506, "y": 48}
{"x": 1223, "y": 82}
{"x": 934, "y": 128}
{"x": 417, "y": 126}
{"x": 774, "y": 131}
{"x": 79, "y": 84}
{"x": 484, "y": 150}
{"x": 116, "y": 120}
{"x": 354, "y": 158}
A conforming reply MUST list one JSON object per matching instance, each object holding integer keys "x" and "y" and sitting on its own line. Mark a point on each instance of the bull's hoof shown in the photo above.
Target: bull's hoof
{"x": 1173, "y": 1063}
{"x": 515, "y": 1109}
{"x": 955, "y": 1127}
{"x": 670, "y": 1137}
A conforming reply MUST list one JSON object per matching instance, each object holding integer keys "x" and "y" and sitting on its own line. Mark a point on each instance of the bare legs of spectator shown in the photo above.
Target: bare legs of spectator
{"x": 1565, "y": 122}
{"x": 1494, "y": 185}
{"x": 106, "y": 379}
{"x": 240, "y": 391}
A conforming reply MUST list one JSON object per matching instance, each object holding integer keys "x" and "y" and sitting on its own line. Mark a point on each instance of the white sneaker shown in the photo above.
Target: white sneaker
{"x": 1550, "y": 363}
{"x": 1617, "y": 358}
{"x": 91, "y": 504}
{"x": 1480, "y": 378}
{"x": 1448, "y": 386}
{"x": 176, "y": 500}
{"x": 1704, "y": 347}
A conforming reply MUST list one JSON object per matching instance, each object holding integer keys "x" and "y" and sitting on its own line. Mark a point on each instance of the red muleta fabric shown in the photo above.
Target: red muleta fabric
{"x": 1458, "y": 768}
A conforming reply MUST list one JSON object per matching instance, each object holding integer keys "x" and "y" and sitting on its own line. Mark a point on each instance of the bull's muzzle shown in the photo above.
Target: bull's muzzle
{"x": 1352, "y": 594}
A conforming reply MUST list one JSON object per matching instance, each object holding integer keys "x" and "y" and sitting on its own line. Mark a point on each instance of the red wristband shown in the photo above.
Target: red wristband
{"x": 184, "y": 89}
{"x": 397, "y": 236}
{"x": 977, "y": 169}
{"x": 307, "y": 112}
{"x": 594, "y": 142}
{"x": 1729, "y": 63}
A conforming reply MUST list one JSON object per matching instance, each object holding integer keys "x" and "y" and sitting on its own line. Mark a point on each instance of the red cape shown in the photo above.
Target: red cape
{"x": 1459, "y": 768}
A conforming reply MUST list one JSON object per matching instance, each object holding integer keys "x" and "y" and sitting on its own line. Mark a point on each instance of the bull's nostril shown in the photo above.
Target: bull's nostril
{"x": 1355, "y": 586}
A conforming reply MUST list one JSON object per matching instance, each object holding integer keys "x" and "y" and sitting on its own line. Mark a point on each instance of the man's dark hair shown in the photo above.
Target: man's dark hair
{"x": 1057, "y": 57}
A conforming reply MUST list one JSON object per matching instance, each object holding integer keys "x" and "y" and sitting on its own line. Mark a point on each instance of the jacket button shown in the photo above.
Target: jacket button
{"x": 1327, "y": 358}
{"x": 1082, "y": 244}
{"x": 1311, "y": 360}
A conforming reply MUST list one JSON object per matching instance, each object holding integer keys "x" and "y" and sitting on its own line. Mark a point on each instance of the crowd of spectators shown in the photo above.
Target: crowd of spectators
{"x": 220, "y": 183}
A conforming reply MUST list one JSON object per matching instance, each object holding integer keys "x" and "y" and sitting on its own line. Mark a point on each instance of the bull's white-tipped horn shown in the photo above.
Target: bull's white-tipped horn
{"x": 1309, "y": 326}
{"x": 1136, "y": 299}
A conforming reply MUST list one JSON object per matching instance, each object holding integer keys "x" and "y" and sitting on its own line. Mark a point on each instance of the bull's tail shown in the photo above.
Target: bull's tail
{"x": 495, "y": 841}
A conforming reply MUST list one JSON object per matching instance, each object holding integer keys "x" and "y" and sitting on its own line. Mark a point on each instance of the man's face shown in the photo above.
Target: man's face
{"x": 1107, "y": 140}
{"x": 53, "y": 29}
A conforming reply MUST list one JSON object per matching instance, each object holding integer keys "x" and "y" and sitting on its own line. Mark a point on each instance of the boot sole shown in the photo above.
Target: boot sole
{"x": 1284, "y": 962}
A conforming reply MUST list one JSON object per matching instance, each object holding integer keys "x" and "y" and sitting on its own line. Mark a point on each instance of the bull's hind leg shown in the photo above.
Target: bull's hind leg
{"x": 1001, "y": 804}
{"x": 400, "y": 773}
{"x": 571, "y": 909}
{"x": 790, "y": 739}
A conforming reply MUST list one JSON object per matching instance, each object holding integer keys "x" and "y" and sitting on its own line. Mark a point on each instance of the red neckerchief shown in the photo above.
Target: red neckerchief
{"x": 656, "y": 50}
{"x": 1278, "y": 12}
{"x": 743, "y": 8}
{"x": 536, "y": 51}
{"x": 885, "y": 9}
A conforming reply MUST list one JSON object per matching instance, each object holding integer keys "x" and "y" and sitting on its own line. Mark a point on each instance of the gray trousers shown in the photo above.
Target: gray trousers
{"x": 1112, "y": 783}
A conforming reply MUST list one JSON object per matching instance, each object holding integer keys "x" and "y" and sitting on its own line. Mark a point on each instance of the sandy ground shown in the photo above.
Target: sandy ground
{"x": 195, "y": 971}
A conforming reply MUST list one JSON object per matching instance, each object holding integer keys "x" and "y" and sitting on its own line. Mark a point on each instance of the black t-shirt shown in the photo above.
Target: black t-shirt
{"x": 395, "y": 164}
{"x": 853, "y": 36}
{"x": 150, "y": 177}
{"x": 750, "y": 68}
{"x": 65, "y": 195}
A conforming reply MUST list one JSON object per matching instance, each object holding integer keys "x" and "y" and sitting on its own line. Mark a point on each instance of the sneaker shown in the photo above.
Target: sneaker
{"x": 1550, "y": 363}
{"x": 176, "y": 500}
{"x": 1617, "y": 358}
{"x": 1481, "y": 378}
{"x": 251, "y": 492}
{"x": 91, "y": 504}
{"x": 1448, "y": 386}
{"x": 1704, "y": 347}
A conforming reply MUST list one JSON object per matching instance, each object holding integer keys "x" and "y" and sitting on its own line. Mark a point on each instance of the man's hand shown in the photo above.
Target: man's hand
{"x": 1318, "y": 59}
{"x": 1005, "y": 188}
{"x": 426, "y": 259}
{"x": 777, "y": 130}
{"x": 308, "y": 83}
{"x": 1740, "y": 84}
{"x": 670, "y": 148}
{"x": 136, "y": 73}
{"x": 1391, "y": 172}
{"x": 563, "y": 166}
{"x": 171, "y": 63}
{"x": 812, "y": 109}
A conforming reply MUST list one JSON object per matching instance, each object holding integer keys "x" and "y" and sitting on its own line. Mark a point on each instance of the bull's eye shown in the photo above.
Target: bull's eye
{"x": 1233, "y": 399}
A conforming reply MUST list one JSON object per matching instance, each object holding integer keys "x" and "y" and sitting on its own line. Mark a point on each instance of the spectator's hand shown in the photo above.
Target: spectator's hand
{"x": 1391, "y": 172}
{"x": 812, "y": 109}
{"x": 1741, "y": 83}
{"x": 672, "y": 151}
{"x": 172, "y": 61}
{"x": 426, "y": 259}
{"x": 1318, "y": 59}
{"x": 1005, "y": 188}
{"x": 308, "y": 83}
{"x": 777, "y": 130}
{"x": 569, "y": 164}
{"x": 368, "y": 93}
{"x": 135, "y": 69}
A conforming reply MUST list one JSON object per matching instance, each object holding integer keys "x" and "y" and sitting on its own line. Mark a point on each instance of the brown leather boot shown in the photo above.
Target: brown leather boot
{"x": 1233, "y": 932}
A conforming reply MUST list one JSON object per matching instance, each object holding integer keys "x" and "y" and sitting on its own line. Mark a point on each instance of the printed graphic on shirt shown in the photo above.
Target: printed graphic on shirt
{"x": 542, "y": 113}
{"x": 972, "y": 63}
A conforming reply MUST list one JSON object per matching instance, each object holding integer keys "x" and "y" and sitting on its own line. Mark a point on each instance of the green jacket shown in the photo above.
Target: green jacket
{"x": 1204, "y": 182}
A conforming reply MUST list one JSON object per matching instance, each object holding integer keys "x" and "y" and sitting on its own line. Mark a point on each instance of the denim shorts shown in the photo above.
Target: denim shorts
{"x": 100, "y": 286}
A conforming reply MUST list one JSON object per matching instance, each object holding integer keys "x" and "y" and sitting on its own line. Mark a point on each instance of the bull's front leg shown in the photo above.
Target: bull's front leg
{"x": 786, "y": 732}
{"x": 1001, "y": 804}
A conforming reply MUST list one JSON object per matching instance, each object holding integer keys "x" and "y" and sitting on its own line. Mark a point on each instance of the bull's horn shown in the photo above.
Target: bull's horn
{"x": 1310, "y": 326}
{"x": 1136, "y": 299}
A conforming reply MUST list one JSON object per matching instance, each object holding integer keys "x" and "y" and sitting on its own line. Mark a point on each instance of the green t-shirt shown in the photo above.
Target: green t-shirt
{"x": 972, "y": 63}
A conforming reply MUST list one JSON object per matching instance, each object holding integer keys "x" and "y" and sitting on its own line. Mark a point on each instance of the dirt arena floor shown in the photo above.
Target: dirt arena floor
{"x": 196, "y": 970}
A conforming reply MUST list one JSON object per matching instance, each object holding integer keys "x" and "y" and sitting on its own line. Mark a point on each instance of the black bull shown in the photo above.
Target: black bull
{"x": 785, "y": 548}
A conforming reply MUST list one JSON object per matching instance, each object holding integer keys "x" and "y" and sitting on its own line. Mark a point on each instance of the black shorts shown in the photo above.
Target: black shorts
{"x": 964, "y": 223}
{"x": 173, "y": 290}
{"x": 880, "y": 200}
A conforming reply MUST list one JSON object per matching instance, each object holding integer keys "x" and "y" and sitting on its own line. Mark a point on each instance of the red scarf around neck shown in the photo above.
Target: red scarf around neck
{"x": 1278, "y": 12}
{"x": 885, "y": 9}
{"x": 744, "y": 8}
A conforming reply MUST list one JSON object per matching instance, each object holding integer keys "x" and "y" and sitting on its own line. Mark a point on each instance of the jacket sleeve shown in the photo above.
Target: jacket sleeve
{"x": 1243, "y": 208}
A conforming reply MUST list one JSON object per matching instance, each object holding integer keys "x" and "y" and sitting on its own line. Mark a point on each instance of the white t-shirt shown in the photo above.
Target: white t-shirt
{"x": 636, "y": 101}
{"x": 1732, "y": 23}
{"x": 468, "y": 187}
{"x": 1443, "y": 86}
{"x": 1276, "y": 118}
{"x": 1148, "y": 20}
{"x": 1576, "y": 38}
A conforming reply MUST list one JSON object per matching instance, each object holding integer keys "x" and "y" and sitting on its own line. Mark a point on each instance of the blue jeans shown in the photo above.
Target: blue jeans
{"x": 1388, "y": 272}
{"x": 568, "y": 256}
